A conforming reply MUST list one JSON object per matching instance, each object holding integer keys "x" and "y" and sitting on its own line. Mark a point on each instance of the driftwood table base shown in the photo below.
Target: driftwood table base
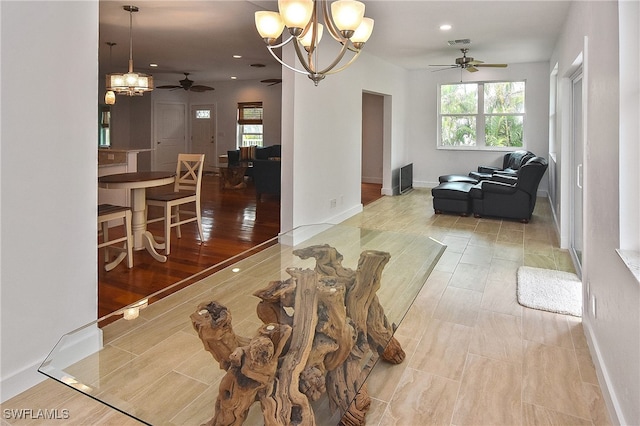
{"x": 233, "y": 177}
{"x": 323, "y": 331}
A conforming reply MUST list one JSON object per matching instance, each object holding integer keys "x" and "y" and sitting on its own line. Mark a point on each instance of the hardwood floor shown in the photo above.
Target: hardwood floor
{"x": 233, "y": 221}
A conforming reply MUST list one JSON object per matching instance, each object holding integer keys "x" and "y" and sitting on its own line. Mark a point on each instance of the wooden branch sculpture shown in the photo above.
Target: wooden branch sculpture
{"x": 329, "y": 343}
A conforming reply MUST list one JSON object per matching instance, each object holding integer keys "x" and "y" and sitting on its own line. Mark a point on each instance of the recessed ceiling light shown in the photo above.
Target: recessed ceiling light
{"x": 153, "y": 65}
{"x": 237, "y": 56}
{"x": 234, "y": 77}
{"x": 445, "y": 27}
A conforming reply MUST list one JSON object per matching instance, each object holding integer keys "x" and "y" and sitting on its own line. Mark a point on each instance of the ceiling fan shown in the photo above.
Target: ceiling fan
{"x": 272, "y": 81}
{"x": 468, "y": 63}
{"x": 187, "y": 84}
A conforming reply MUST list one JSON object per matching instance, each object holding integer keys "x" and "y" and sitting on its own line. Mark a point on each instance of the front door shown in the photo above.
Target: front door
{"x": 203, "y": 131}
{"x": 170, "y": 135}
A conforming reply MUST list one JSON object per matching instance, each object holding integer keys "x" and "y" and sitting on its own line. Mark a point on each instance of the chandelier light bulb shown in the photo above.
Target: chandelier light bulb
{"x": 362, "y": 33}
{"x": 347, "y": 15}
{"x": 305, "y": 40}
{"x": 131, "y": 79}
{"x": 270, "y": 25}
{"x": 296, "y": 14}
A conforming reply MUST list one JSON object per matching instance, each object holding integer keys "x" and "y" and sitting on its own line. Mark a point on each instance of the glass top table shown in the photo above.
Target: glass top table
{"x": 288, "y": 331}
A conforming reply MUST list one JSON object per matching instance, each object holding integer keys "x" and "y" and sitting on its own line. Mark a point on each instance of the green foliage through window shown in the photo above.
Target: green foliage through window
{"x": 482, "y": 114}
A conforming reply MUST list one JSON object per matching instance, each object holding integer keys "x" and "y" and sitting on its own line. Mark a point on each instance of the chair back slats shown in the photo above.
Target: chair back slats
{"x": 189, "y": 172}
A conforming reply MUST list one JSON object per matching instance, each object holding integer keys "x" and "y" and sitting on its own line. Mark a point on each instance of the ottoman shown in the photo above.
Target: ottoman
{"x": 452, "y": 197}
{"x": 457, "y": 178}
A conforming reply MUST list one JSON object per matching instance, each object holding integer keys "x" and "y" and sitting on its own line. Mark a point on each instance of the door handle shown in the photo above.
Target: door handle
{"x": 579, "y": 176}
{"x": 158, "y": 142}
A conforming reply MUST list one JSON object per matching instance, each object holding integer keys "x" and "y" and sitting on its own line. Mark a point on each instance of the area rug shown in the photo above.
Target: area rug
{"x": 549, "y": 290}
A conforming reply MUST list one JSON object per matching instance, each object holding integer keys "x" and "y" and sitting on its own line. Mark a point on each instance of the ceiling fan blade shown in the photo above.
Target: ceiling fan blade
{"x": 448, "y": 65}
{"x": 472, "y": 69}
{"x": 444, "y": 69}
{"x": 169, "y": 87}
{"x": 475, "y": 62}
{"x": 273, "y": 81}
{"x": 201, "y": 88}
{"x": 492, "y": 65}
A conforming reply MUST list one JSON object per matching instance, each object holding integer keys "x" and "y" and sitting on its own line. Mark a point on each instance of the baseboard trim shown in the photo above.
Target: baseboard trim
{"x": 424, "y": 184}
{"x": 20, "y": 381}
{"x": 87, "y": 342}
{"x": 346, "y": 214}
{"x": 608, "y": 392}
{"x": 367, "y": 179}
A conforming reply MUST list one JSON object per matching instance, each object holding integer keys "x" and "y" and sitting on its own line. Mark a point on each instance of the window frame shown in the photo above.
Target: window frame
{"x": 242, "y": 121}
{"x": 480, "y": 118}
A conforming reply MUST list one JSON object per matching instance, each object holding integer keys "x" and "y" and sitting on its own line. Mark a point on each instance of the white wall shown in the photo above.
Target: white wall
{"x": 613, "y": 331}
{"x": 48, "y": 180}
{"x": 322, "y": 139}
{"x": 430, "y": 162}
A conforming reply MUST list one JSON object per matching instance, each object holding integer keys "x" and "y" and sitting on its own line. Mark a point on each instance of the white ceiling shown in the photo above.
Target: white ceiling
{"x": 201, "y": 37}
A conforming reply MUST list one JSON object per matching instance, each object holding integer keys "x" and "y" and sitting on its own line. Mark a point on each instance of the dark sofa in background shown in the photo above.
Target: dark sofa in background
{"x": 264, "y": 167}
{"x": 509, "y": 192}
{"x": 512, "y": 197}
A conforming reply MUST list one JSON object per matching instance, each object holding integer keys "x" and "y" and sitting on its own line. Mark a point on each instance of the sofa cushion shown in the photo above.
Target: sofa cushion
{"x": 262, "y": 153}
{"x": 233, "y": 156}
{"x": 275, "y": 151}
{"x": 452, "y": 190}
{"x": 247, "y": 153}
{"x": 456, "y": 178}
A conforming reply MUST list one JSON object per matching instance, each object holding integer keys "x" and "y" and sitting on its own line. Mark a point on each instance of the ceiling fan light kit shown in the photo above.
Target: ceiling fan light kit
{"x": 468, "y": 63}
{"x": 306, "y": 21}
{"x": 130, "y": 83}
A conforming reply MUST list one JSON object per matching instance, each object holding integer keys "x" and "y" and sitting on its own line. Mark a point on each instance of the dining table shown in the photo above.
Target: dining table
{"x": 137, "y": 183}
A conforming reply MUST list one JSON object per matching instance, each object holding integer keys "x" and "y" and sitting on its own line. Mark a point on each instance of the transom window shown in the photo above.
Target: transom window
{"x": 250, "y": 131}
{"x": 203, "y": 113}
{"x": 481, "y": 115}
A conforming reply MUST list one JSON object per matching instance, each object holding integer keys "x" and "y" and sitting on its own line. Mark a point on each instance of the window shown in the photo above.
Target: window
{"x": 203, "y": 114}
{"x": 249, "y": 124}
{"x": 484, "y": 115}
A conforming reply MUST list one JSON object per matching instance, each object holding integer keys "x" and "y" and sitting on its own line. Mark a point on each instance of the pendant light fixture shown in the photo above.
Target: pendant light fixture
{"x": 110, "y": 96}
{"x": 130, "y": 83}
{"x": 344, "y": 21}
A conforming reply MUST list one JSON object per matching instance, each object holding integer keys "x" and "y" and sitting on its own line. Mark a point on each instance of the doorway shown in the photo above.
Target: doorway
{"x": 170, "y": 134}
{"x": 577, "y": 177}
{"x": 372, "y": 146}
{"x": 203, "y": 131}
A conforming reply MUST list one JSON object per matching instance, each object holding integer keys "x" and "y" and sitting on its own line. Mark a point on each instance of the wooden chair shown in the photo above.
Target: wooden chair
{"x": 106, "y": 213}
{"x": 186, "y": 190}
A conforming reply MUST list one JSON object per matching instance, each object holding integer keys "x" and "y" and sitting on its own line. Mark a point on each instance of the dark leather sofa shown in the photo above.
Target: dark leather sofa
{"x": 511, "y": 163}
{"x": 509, "y": 196}
{"x": 264, "y": 168}
{"x": 266, "y": 153}
{"x": 267, "y": 177}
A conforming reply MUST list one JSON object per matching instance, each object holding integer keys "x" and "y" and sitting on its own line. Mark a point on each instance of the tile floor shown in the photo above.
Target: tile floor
{"x": 474, "y": 356}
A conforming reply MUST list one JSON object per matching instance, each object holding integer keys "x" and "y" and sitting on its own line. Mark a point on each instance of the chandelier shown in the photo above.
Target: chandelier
{"x": 344, "y": 21}
{"x": 130, "y": 83}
